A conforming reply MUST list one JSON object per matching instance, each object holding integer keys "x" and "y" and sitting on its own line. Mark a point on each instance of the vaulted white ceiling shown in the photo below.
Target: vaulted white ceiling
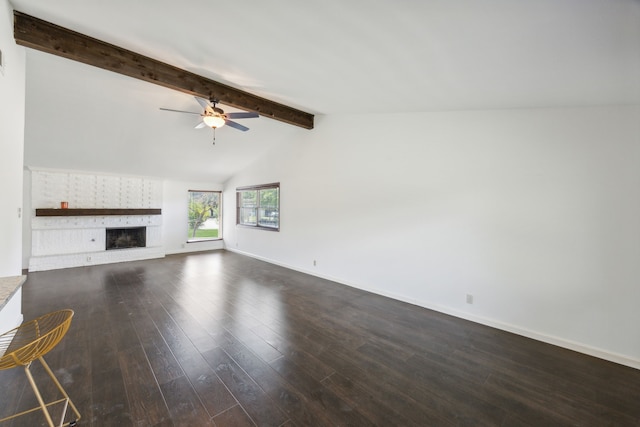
{"x": 324, "y": 57}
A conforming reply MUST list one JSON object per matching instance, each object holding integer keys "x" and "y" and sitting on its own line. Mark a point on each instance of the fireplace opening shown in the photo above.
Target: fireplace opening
{"x": 124, "y": 238}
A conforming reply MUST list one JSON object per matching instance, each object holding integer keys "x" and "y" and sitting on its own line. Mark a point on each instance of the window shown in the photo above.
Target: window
{"x": 259, "y": 206}
{"x": 205, "y": 216}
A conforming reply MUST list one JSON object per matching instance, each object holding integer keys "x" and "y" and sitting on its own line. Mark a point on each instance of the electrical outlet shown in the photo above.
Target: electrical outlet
{"x": 314, "y": 262}
{"x": 88, "y": 259}
{"x": 469, "y": 299}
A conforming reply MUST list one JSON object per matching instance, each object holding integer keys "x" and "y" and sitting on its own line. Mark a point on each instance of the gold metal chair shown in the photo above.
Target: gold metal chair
{"x": 31, "y": 341}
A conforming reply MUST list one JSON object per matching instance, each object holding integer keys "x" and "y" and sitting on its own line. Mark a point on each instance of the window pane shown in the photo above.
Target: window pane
{"x": 204, "y": 215}
{"x": 268, "y": 212}
{"x": 248, "y": 207}
{"x": 249, "y": 198}
{"x": 248, "y": 216}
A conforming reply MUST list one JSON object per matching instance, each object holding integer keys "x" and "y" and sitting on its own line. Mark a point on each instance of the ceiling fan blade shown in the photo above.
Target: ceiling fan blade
{"x": 204, "y": 103}
{"x": 242, "y": 115}
{"x": 179, "y": 111}
{"x": 236, "y": 125}
{"x": 201, "y": 125}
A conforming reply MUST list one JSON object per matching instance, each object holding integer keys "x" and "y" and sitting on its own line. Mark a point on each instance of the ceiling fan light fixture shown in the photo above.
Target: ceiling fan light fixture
{"x": 213, "y": 121}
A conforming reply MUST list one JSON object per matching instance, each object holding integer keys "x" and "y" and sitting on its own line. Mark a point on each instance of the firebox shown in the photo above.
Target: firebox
{"x": 124, "y": 238}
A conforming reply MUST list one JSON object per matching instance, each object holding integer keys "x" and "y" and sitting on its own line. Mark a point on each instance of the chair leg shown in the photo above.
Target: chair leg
{"x": 38, "y": 396}
{"x": 64, "y": 393}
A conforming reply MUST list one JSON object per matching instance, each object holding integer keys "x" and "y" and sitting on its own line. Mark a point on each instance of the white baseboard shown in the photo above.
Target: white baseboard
{"x": 55, "y": 262}
{"x": 194, "y": 247}
{"x": 549, "y": 339}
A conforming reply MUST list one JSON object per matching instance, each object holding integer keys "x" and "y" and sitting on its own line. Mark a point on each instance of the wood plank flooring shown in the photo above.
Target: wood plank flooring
{"x": 219, "y": 339}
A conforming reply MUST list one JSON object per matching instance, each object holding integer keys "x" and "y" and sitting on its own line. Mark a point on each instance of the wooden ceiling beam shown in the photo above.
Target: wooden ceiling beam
{"x": 41, "y": 35}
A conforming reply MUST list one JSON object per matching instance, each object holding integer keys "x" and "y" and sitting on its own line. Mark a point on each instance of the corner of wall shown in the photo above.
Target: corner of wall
{"x": 12, "y": 106}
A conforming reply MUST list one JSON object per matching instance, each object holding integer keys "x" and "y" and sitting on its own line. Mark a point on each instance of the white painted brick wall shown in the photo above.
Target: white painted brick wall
{"x": 62, "y": 242}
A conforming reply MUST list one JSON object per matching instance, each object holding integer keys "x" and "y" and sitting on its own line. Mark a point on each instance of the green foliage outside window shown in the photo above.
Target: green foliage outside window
{"x": 204, "y": 215}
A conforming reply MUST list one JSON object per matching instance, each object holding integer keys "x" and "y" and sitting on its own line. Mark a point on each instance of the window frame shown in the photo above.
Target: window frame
{"x": 205, "y": 239}
{"x": 257, "y": 188}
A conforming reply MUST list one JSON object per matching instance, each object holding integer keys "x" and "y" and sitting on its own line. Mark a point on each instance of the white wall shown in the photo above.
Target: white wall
{"x": 12, "y": 101}
{"x": 26, "y": 218}
{"x": 175, "y": 217}
{"x": 533, "y": 212}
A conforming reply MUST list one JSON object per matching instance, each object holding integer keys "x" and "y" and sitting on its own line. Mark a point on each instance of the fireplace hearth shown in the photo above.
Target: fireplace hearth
{"x": 126, "y": 238}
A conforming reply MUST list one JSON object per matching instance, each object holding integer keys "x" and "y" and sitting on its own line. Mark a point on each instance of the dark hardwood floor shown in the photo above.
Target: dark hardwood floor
{"x": 220, "y": 339}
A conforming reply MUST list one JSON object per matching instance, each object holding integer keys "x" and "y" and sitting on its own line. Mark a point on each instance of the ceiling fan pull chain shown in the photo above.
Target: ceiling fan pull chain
{"x": 214, "y": 136}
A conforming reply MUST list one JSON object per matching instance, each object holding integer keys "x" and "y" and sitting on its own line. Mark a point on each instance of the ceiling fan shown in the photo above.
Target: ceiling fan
{"x": 215, "y": 117}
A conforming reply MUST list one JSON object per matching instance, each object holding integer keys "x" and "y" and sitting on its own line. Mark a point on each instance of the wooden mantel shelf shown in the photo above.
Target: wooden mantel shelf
{"x": 96, "y": 212}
